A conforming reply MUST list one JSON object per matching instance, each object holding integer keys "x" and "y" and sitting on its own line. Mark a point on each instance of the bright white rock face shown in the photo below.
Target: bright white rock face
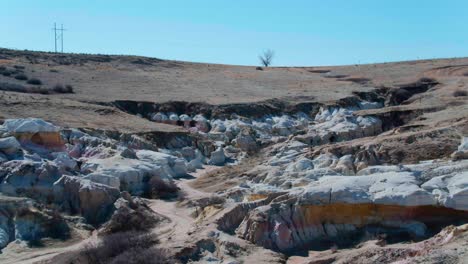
{"x": 450, "y": 190}
{"x": 29, "y": 125}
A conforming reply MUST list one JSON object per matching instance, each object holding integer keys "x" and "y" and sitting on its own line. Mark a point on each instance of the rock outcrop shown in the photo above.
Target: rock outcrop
{"x": 331, "y": 201}
{"x": 24, "y": 220}
{"x": 35, "y": 131}
{"x": 94, "y": 201}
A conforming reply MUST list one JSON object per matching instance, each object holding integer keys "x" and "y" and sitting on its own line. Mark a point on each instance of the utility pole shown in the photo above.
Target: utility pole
{"x": 55, "y": 36}
{"x": 58, "y": 36}
{"x": 62, "y": 36}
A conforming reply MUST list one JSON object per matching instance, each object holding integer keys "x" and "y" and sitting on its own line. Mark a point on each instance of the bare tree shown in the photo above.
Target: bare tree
{"x": 266, "y": 57}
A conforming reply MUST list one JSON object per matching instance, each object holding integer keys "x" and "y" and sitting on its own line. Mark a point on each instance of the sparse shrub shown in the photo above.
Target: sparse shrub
{"x": 42, "y": 90}
{"x": 21, "y": 77}
{"x": 126, "y": 247}
{"x": 458, "y": 93}
{"x": 59, "y": 88}
{"x": 19, "y": 67}
{"x": 6, "y": 73}
{"x": 13, "y": 87}
{"x": 2, "y": 68}
{"x": 145, "y": 256}
{"x": 131, "y": 215}
{"x": 259, "y": 68}
{"x": 69, "y": 88}
{"x": 158, "y": 188}
{"x": 35, "y": 81}
{"x": 53, "y": 70}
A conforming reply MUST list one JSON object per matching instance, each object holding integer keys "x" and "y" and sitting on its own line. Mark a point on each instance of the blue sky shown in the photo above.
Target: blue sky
{"x": 301, "y": 32}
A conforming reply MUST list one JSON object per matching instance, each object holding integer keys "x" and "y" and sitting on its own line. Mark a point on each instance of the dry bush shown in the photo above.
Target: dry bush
{"x": 6, "y": 73}
{"x": 34, "y": 81}
{"x": 158, "y": 188}
{"x": 21, "y": 77}
{"x": 145, "y": 256}
{"x": 458, "y": 93}
{"x": 126, "y": 247}
{"x": 59, "y": 88}
{"x": 13, "y": 87}
{"x": 131, "y": 216}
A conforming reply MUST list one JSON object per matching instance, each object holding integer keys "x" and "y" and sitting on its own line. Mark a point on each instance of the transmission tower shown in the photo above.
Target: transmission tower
{"x": 58, "y": 35}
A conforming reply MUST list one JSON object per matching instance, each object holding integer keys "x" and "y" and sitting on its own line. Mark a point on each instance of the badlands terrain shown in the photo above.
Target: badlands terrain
{"x": 125, "y": 159}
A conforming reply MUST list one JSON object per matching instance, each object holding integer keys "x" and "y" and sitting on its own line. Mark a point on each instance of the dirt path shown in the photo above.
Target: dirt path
{"x": 171, "y": 234}
{"x": 20, "y": 253}
{"x": 181, "y": 222}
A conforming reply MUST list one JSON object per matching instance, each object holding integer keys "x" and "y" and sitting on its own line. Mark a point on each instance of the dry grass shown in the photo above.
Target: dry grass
{"x": 160, "y": 189}
{"x": 225, "y": 177}
{"x": 126, "y": 247}
{"x": 458, "y": 93}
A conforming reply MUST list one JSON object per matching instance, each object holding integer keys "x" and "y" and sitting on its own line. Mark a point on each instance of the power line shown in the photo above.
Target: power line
{"x": 58, "y": 36}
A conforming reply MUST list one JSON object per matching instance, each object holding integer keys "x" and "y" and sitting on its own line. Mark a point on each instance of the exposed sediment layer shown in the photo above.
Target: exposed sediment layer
{"x": 293, "y": 227}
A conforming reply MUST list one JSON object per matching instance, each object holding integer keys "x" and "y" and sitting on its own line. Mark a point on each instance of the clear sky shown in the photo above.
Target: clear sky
{"x": 301, "y": 32}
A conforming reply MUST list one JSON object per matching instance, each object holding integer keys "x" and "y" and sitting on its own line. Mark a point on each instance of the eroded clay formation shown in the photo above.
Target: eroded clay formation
{"x": 293, "y": 201}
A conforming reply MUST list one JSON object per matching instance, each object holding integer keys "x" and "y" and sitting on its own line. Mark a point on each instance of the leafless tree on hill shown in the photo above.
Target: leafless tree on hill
{"x": 266, "y": 57}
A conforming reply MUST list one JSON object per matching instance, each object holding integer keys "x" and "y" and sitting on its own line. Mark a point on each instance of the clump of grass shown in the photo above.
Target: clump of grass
{"x": 35, "y": 81}
{"x": 42, "y": 90}
{"x": 53, "y": 70}
{"x": 19, "y": 67}
{"x": 458, "y": 93}
{"x": 21, "y": 77}
{"x": 59, "y": 88}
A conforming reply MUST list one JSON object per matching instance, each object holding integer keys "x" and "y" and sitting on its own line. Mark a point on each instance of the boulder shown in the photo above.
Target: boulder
{"x": 380, "y": 169}
{"x": 64, "y": 162}
{"x": 462, "y": 151}
{"x": 173, "y": 118}
{"x": 345, "y": 165}
{"x": 450, "y": 190}
{"x": 28, "y": 178}
{"x": 201, "y": 123}
{"x": 392, "y": 188}
{"x": 128, "y": 153}
{"x": 188, "y": 153}
{"x": 245, "y": 140}
{"x": 35, "y": 131}
{"x": 94, "y": 201}
{"x": 217, "y": 157}
{"x": 186, "y": 120}
{"x": 132, "y": 174}
{"x": 159, "y": 117}
{"x": 9, "y": 146}
{"x": 32, "y": 225}
{"x": 197, "y": 162}
{"x": 301, "y": 165}
{"x": 172, "y": 165}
